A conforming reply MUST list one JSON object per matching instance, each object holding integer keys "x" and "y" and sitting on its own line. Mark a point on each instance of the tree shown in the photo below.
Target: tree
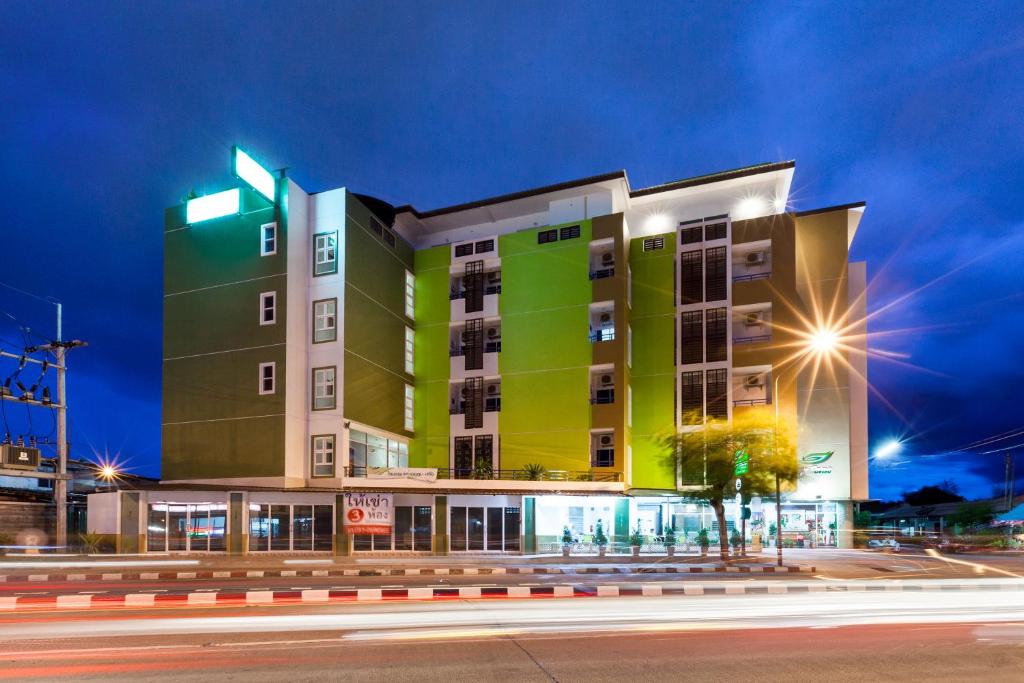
{"x": 970, "y": 515}
{"x": 705, "y": 457}
{"x": 943, "y": 492}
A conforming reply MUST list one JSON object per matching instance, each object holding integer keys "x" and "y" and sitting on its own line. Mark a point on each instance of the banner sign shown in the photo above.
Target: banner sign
{"x": 368, "y": 513}
{"x": 427, "y": 475}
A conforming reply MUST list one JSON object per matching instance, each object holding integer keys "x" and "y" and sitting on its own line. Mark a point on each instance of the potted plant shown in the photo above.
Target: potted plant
{"x": 703, "y": 540}
{"x": 735, "y": 540}
{"x": 771, "y": 533}
{"x": 483, "y": 470}
{"x": 534, "y": 471}
{"x": 636, "y": 539}
{"x": 566, "y": 541}
{"x": 600, "y": 540}
{"x": 670, "y": 541}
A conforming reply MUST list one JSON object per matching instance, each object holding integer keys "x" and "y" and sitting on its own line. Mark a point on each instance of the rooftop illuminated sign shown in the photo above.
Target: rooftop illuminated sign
{"x": 213, "y": 206}
{"x": 246, "y": 168}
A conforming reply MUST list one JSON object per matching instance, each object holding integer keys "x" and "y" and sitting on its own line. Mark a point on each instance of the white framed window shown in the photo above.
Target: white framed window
{"x": 325, "y": 320}
{"x": 323, "y": 455}
{"x": 268, "y": 239}
{"x": 629, "y": 406}
{"x": 629, "y": 345}
{"x": 267, "y": 378}
{"x": 324, "y": 395}
{"x": 410, "y": 350}
{"x": 408, "y": 407}
{"x": 325, "y": 252}
{"x": 268, "y": 308}
{"x": 410, "y": 295}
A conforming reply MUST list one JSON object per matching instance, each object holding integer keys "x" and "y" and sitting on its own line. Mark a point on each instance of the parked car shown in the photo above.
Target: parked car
{"x": 884, "y": 544}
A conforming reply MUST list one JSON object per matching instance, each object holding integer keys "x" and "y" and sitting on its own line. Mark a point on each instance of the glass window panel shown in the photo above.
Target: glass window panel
{"x": 199, "y": 528}
{"x": 177, "y": 527}
{"x": 382, "y": 541}
{"x": 421, "y": 528}
{"x": 302, "y": 527}
{"x": 259, "y": 527}
{"x": 403, "y": 459}
{"x": 376, "y": 457}
{"x": 403, "y": 528}
{"x": 376, "y": 441}
{"x": 156, "y": 528}
{"x": 362, "y": 542}
{"x": 218, "y": 526}
{"x": 357, "y": 436}
{"x": 280, "y": 526}
{"x": 494, "y": 528}
{"x": 475, "y": 529}
{"x": 458, "y": 528}
{"x": 357, "y": 458}
{"x": 323, "y": 527}
{"x": 512, "y": 529}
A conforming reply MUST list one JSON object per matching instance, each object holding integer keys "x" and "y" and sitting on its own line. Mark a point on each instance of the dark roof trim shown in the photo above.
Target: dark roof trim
{"x": 827, "y": 209}
{"x": 714, "y": 178}
{"x": 407, "y": 208}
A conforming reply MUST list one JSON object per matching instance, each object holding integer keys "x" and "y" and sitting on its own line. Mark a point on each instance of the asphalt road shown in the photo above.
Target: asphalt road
{"x": 961, "y": 636}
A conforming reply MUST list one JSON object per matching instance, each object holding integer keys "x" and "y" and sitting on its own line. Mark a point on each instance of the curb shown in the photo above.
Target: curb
{"x": 327, "y": 596}
{"x": 424, "y": 571}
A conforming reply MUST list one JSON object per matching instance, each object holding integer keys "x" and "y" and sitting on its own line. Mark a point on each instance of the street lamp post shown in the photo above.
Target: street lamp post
{"x": 778, "y": 488}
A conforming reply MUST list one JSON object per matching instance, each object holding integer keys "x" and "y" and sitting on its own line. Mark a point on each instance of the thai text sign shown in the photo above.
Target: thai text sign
{"x": 424, "y": 474}
{"x": 368, "y": 513}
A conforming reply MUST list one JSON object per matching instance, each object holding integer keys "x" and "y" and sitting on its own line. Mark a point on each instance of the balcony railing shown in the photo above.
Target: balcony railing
{"x": 752, "y": 276}
{"x": 509, "y": 475}
{"x": 492, "y": 404}
{"x": 602, "y": 335}
{"x": 489, "y": 347}
{"x": 603, "y": 396}
{"x": 494, "y": 288}
{"x": 602, "y": 273}
{"x": 752, "y": 340}
{"x": 750, "y": 402}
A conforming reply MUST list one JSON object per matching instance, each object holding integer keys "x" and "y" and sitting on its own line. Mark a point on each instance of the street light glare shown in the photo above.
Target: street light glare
{"x": 824, "y": 340}
{"x": 890, "y": 447}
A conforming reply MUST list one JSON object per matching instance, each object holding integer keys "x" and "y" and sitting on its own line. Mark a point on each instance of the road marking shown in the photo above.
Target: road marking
{"x": 202, "y": 598}
{"x": 259, "y": 596}
{"x": 368, "y": 594}
{"x": 311, "y": 595}
{"x": 139, "y": 600}
{"x": 92, "y": 592}
{"x": 73, "y": 601}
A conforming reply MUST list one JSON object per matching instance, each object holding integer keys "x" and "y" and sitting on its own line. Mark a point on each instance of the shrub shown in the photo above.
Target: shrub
{"x": 566, "y": 536}
{"x": 599, "y": 537}
{"x": 636, "y": 538}
{"x": 703, "y": 538}
{"x": 670, "y": 536}
{"x": 534, "y": 471}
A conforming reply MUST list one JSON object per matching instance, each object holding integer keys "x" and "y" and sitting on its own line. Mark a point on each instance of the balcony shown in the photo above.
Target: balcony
{"x": 607, "y": 334}
{"x": 752, "y": 262}
{"x": 512, "y": 475}
{"x": 752, "y": 325}
{"x": 602, "y": 273}
{"x": 602, "y": 396}
{"x": 751, "y": 387}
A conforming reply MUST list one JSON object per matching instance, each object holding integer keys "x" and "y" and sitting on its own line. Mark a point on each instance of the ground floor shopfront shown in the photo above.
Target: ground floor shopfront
{"x": 238, "y": 522}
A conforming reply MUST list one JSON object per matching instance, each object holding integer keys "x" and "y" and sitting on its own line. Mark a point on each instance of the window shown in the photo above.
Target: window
{"x": 714, "y": 276}
{"x": 691, "y": 337}
{"x": 312, "y": 527}
{"x": 389, "y": 237}
{"x": 369, "y": 450}
{"x": 268, "y": 239}
{"x": 484, "y": 246}
{"x": 691, "y": 273}
{"x": 463, "y": 457}
{"x": 629, "y": 345}
{"x": 323, "y": 455}
{"x": 267, "y": 378}
{"x": 410, "y": 349}
{"x": 323, "y": 389}
{"x": 463, "y": 250}
{"x": 569, "y": 232}
{"x": 602, "y": 453}
{"x": 654, "y": 243}
{"x": 715, "y": 231}
{"x": 718, "y": 406}
{"x": 376, "y": 225}
{"x": 690, "y": 235}
{"x": 629, "y": 406}
{"x": 326, "y": 253}
{"x": 410, "y": 295}
{"x": 692, "y": 397}
{"x": 325, "y": 328}
{"x": 545, "y": 236}
{"x": 268, "y": 308}
{"x": 715, "y": 328}
{"x": 409, "y": 407}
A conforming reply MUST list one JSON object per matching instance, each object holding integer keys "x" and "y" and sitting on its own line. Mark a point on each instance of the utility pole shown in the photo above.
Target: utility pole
{"x": 60, "y": 484}
{"x": 1008, "y": 485}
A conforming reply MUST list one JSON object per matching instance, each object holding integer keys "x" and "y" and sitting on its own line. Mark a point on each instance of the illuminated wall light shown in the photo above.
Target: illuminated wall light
{"x": 779, "y": 204}
{"x": 246, "y": 168}
{"x": 750, "y": 207}
{"x": 658, "y": 222}
{"x": 213, "y": 206}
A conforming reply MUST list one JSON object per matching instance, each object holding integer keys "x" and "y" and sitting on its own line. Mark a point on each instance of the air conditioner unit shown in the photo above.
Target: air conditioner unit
{"x": 492, "y": 388}
{"x": 606, "y": 317}
{"x": 607, "y": 380}
{"x": 754, "y": 319}
{"x": 753, "y": 381}
{"x": 492, "y": 332}
{"x": 608, "y": 258}
{"x": 606, "y": 440}
{"x": 464, "y": 392}
{"x": 494, "y": 276}
{"x": 755, "y": 258}
{"x": 19, "y": 457}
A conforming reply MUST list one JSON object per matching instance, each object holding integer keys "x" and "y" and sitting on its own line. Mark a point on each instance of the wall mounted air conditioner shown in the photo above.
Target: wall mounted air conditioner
{"x": 753, "y": 381}
{"x": 494, "y": 276}
{"x": 607, "y": 258}
{"x": 492, "y": 332}
{"x": 606, "y": 317}
{"x": 606, "y": 440}
{"x": 607, "y": 380}
{"x": 756, "y": 258}
{"x": 754, "y": 319}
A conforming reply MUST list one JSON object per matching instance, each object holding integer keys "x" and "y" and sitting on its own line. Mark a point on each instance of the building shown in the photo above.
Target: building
{"x": 500, "y": 369}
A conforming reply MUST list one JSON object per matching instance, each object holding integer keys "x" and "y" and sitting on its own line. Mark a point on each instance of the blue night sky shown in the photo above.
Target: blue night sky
{"x": 111, "y": 112}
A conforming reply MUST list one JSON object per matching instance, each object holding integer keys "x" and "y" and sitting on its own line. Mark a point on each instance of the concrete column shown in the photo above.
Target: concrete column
{"x": 844, "y": 524}
{"x": 342, "y": 540}
{"x": 440, "y": 540}
{"x": 128, "y": 540}
{"x": 238, "y": 534}
{"x": 529, "y": 540}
